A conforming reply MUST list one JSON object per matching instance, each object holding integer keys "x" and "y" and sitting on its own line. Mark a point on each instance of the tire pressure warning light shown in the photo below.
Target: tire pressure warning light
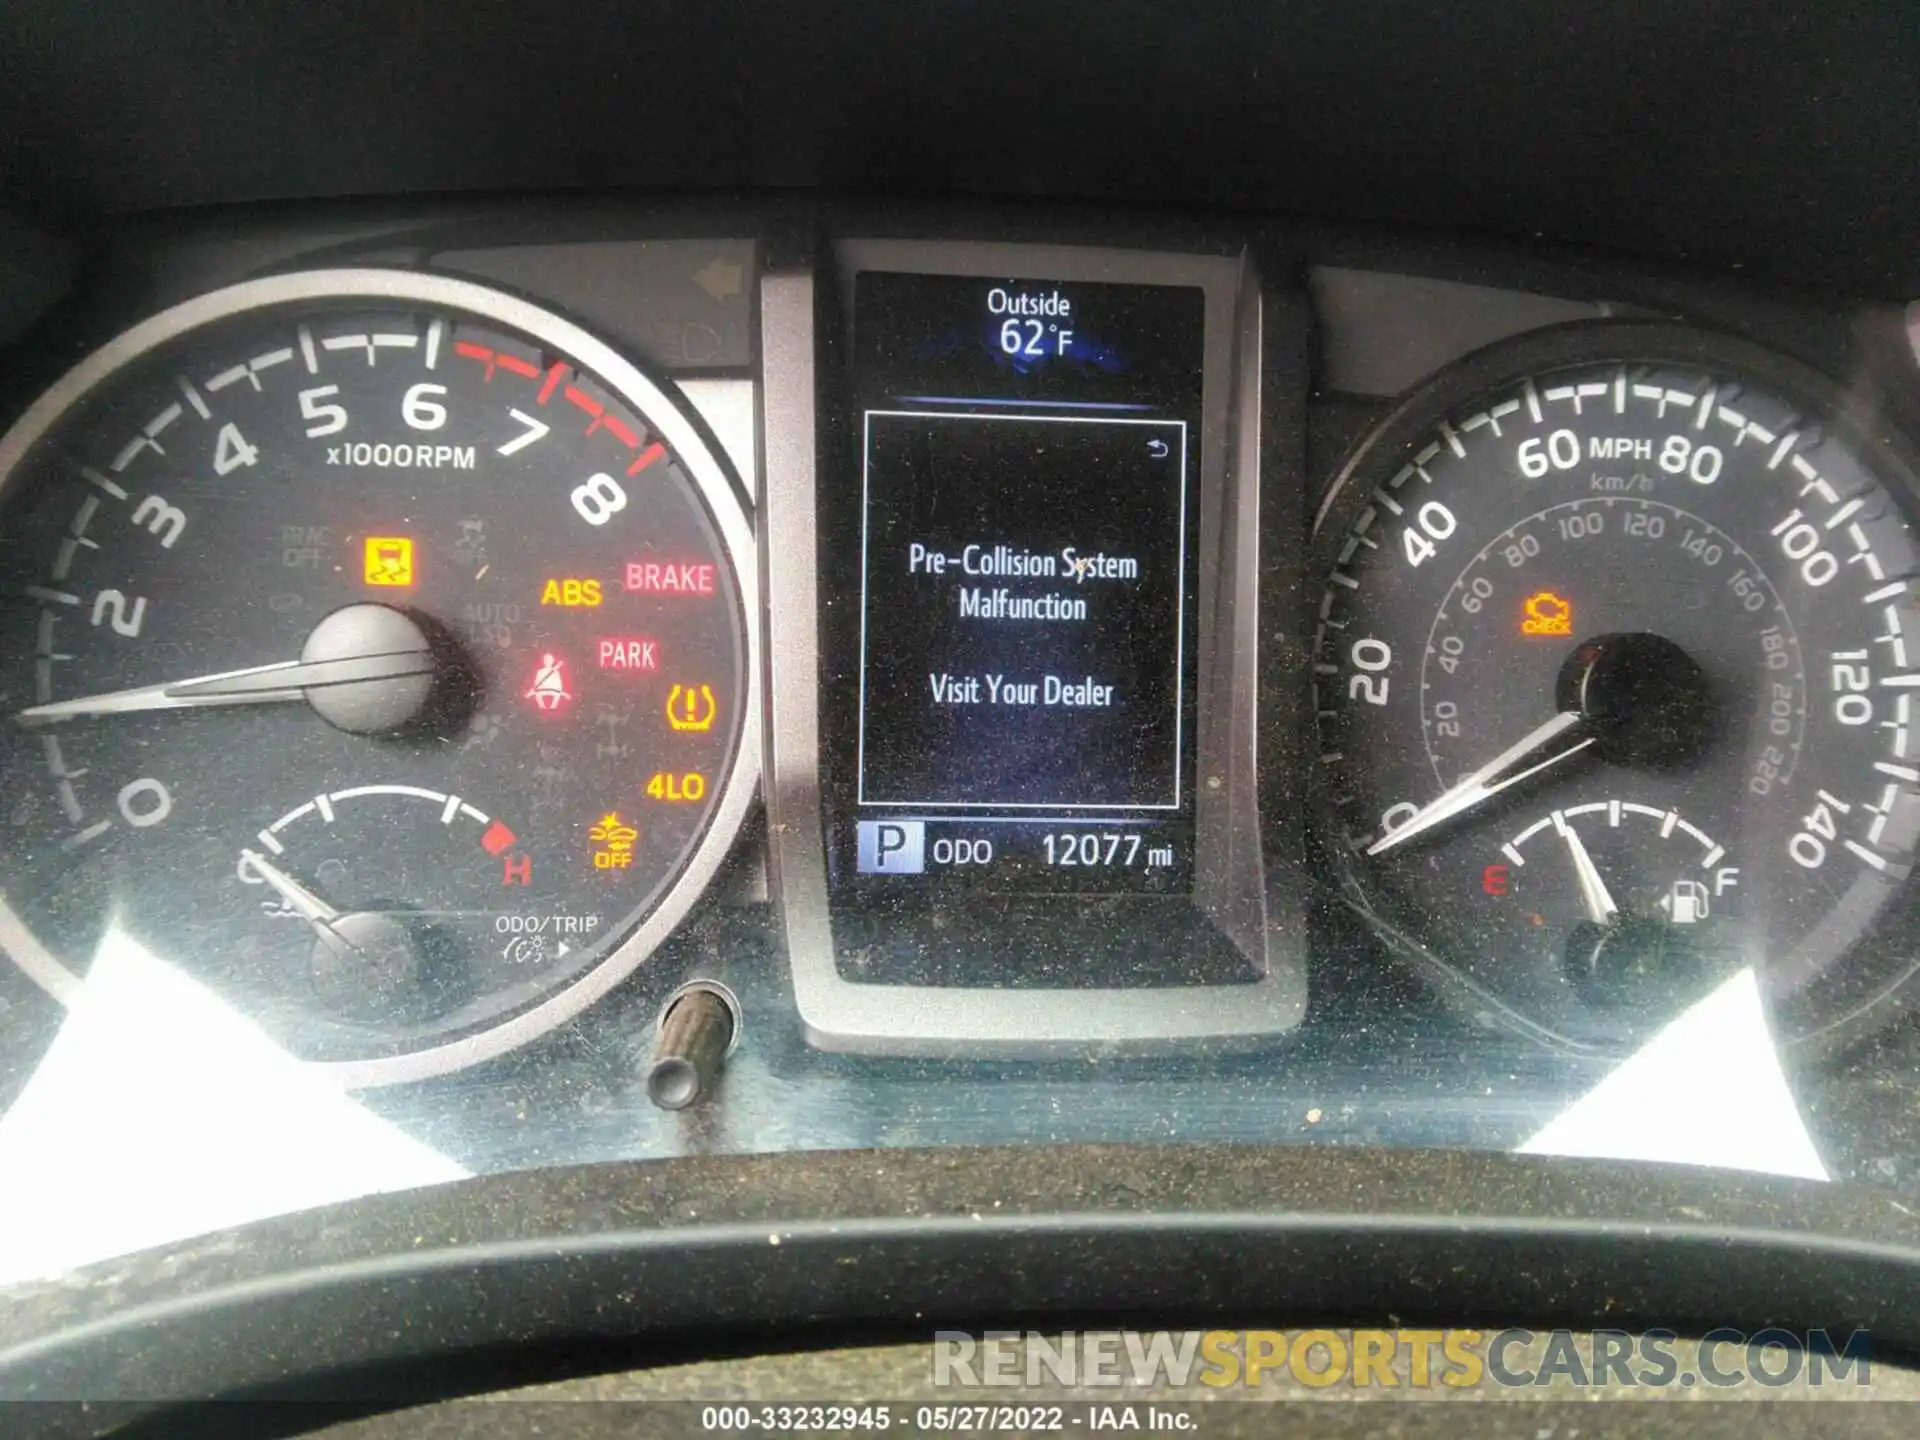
{"x": 389, "y": 560}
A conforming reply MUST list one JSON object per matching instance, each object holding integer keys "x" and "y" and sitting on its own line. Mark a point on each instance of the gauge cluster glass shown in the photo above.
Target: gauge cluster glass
{"x": 1169, "y": 733}
{"x": 376, "y": 648}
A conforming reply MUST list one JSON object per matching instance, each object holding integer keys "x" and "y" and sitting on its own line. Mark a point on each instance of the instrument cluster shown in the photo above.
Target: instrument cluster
{"x": 1030, "y": 648}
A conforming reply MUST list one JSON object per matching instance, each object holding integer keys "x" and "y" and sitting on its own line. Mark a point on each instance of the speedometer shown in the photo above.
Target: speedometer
{"x": 1615, "y": 669}
{"x": 374, "y": 653}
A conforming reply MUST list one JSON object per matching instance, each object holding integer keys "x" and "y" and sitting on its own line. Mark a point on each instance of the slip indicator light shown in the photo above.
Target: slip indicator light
{"x": 388, "y": 561}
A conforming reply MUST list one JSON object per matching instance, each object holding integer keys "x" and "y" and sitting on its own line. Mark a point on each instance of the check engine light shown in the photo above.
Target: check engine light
{"x": 389, "y": 560}
{"x": 1547, "y": 614}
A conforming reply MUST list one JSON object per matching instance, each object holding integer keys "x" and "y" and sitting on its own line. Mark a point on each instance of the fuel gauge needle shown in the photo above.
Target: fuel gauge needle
{"x": 1593, "y": 889}
{"x": 311, "y": 907}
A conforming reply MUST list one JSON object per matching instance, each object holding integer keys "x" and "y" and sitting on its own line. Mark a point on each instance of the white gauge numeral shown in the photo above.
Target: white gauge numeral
{"x": 1852, "y": 685}
{"x": 1679, "y": 456}
{"x": 1808, "y": 847}
{"x": 1559, "y": 451}
{"x": 110, "y": 606}
{"x": 421, "y": 408}
{"x": 231, "y": 451}
{"x": 1437, "y": 521}
{"x": 1372, "y": 656}
{"x": 1801, "y": 542}
{"x": 327, "y": 419}
{"x": 144, "y": 803}
{"x": 160, "y": 518}
{"x": 1397, "y": 815}
{"x": 536, "y": 430}
{"x": 599, "y": 499}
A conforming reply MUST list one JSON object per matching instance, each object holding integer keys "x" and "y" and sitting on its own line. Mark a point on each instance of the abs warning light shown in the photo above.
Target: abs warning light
{"x": 389, "y": 560}
{"x": 1547, "y": 614}
{"x": 573, "y": 594}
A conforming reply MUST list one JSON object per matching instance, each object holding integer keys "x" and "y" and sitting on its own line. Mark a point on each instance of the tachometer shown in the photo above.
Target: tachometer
{"x": 1616, "y": 669}
{"x": 375, "y": 648}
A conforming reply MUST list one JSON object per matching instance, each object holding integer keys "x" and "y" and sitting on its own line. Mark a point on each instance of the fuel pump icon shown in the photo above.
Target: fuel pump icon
{"x": 1686, "y": 903}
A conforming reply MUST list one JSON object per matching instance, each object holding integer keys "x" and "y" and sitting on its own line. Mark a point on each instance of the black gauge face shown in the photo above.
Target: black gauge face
{"x": 372, "y": 649}
{"x": 1615, "y": 669}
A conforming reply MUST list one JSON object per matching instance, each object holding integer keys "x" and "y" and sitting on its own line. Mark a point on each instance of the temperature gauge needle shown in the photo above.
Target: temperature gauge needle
{"x": 1593, "y": 889}
{"x": 310, "y": 906}
{"x": 371, "y": 950}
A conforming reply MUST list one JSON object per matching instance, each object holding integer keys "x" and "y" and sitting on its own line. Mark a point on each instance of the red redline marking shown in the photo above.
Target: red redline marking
{"x": 517, "y": 365}
{"x": 620, "y": 432}
{"x": 553, "y": 381}
{"x": 591, "y": 406}
{"x": 497, "y": 839}
{"x": 647, "y": 456}
{"x": 468, "y": 350}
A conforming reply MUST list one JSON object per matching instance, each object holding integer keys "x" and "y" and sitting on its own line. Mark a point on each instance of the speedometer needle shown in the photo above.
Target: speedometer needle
{"x": 1489, "y": 780}
{"x": 262, "y": 684}
{"x": 1593, "y": 889}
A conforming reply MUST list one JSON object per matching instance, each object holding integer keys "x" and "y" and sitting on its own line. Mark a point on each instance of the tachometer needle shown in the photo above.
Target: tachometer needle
{"x": 310, "y": 906}
{"x": 263, "y": 684}
{"x": 1489, "y": 780}
{"x": 1593, "y": 889}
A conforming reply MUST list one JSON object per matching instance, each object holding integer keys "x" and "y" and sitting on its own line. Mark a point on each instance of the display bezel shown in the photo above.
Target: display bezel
{"x": 806, "y": 419}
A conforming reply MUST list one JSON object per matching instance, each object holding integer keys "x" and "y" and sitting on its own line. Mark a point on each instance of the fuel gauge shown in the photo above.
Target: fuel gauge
{"x": 1640, "y": 902}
